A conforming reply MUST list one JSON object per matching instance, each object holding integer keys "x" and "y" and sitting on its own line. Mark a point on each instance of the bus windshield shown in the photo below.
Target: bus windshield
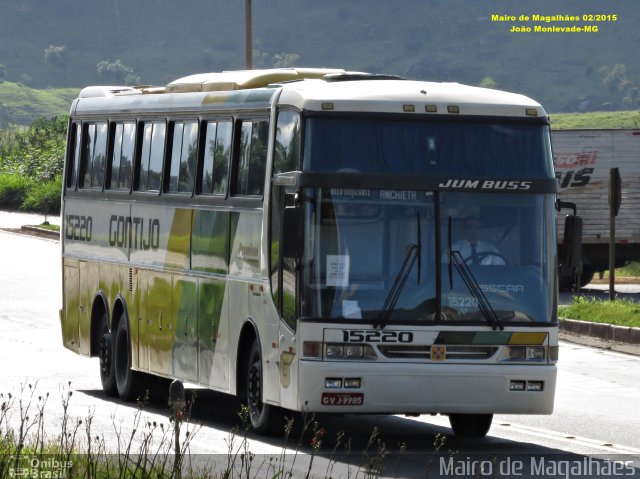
{"x": 461, "y": 148}
{"x": 372, "y": 255}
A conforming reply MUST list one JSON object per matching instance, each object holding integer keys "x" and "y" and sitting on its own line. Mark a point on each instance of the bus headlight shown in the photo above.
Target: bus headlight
{"x": 523, "y": 353}
{"x": 348, "y": 351}
{"x": 354, "y": 350}
{"x": 334, "y": 351}
{"x": 318, "y": 350}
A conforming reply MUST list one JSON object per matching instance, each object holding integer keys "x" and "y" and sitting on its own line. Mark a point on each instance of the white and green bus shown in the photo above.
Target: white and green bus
{"x": 295, "y": 237}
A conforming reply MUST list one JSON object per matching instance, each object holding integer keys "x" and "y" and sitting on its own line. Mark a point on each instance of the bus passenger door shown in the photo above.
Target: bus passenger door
{"x": 284, "y": 290}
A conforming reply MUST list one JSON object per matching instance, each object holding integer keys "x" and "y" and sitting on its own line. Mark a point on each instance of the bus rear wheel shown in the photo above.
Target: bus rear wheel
{"x": 263, "y": 417}
{"x": 128, "y": 382}
{"x": 105, "y": 354}
{"x": 470, "y": 425}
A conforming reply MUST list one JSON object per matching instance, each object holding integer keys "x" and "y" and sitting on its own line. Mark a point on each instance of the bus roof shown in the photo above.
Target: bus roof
{"x": 307, "y": 89}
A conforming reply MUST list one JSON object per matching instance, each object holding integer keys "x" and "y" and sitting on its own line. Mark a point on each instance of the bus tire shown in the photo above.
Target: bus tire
{"x": 128, "y": 382}
{"x": 470, "y": 425}
{"x": 263, "y": 417}
{"x": 105, "y": 354}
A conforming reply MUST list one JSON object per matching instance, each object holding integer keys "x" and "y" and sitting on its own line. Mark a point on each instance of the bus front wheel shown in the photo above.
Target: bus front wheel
{"x": 470, "y": 425}
{"x": 263, "y": 417}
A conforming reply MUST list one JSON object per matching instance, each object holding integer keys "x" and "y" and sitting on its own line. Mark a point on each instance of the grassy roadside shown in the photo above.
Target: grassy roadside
{"x": 48, "y": 226}
{"x": 596, "y": 119}
{"x": 621, "y": 312}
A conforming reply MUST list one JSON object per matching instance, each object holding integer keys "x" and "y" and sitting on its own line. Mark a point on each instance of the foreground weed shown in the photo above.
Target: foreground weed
{"x": 150, "y": 449}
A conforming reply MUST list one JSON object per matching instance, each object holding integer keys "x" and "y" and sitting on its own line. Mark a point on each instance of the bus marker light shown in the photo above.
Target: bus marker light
{"x": 408, "y": 108}
{"x": 327, "y": 106}
{"x": 453, "y": 109}
{"x": 516, "y": 386}
{"x": 333, "y": 383}
{"x": 534, "y": 386}
{"x": 531, "y": 112}
{"x": 431, "y": 108}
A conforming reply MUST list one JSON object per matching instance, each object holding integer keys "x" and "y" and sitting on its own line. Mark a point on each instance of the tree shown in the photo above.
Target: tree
{"x": 285, "y": 60}
{"x": 118, "y": 72}
{"x": 38, "y": 152}
{"x": 488, "y": 82}
{"x": 56, "y": 55}
{"x": 618, "y": 82}
{"x": 3, "y": 72}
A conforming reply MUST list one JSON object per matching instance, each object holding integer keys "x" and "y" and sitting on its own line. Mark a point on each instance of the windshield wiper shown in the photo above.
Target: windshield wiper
{"x": 412, "y": 254}
{"x": 455, "y": 259}
{"x": 474, "y": 288}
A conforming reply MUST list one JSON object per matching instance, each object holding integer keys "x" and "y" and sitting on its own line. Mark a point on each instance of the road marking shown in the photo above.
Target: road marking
{"x": 569, "y": 438}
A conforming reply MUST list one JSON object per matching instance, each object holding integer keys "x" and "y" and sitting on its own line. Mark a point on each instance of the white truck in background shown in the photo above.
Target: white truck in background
{"x": 582, "y": 160}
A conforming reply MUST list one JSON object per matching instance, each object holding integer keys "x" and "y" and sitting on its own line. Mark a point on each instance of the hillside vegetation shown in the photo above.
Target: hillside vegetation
{"x": 73, "y": 43}
{"x": 596, "y": 120}
{"x": 21, "y": 105}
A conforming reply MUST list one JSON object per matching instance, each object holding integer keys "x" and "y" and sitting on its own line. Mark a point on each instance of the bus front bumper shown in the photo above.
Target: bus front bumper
{"x": 426, "y": 388}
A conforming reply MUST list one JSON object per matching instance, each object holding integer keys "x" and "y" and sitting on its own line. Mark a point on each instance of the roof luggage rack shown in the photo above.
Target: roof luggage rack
{"x": 245, "y": 79}
{"x": 357, "y": 76}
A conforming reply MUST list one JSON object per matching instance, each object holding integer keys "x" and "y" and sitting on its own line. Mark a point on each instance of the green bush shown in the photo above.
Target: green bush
{"x": 13, "y": 191}
{"x": 31, "y": 161}
{"x": 21, "y": 193}
{"x": 35, "y": 152}
{"x": 43, "y": 197}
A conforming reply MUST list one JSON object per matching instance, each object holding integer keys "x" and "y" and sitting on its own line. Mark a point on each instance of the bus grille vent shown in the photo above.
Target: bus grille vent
{"x": 131, "y": 280}
{"x": 424, "y": 352}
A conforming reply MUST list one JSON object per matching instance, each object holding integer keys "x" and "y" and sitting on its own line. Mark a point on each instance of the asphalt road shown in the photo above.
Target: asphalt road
{"x": 596, "y": 414}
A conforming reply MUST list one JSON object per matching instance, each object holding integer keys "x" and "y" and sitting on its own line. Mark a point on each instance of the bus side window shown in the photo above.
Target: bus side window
{"x": 217, "y": 151}
{"x": 183, "y": 157}
{"x": 151, "y": 156}
{"x": 94, "y": 155}
{"x": 252, "y": 158}
{"x": 124, "y": 138}
{"x": 73, "y": 159}
{"x": 287, "y": 146}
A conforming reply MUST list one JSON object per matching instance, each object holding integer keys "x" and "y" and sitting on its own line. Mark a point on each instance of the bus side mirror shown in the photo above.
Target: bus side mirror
{"x": 292, "y": 232}
{"x": 572, "y": 243}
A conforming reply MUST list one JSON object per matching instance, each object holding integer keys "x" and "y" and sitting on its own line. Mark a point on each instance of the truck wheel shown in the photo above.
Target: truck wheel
{"x": 586, "y": 277}
{"x": 470, "y": 425}
{"x": 129, "y": 383}
{"x": 107, "y": 369}
{"x": 263, "y": 417}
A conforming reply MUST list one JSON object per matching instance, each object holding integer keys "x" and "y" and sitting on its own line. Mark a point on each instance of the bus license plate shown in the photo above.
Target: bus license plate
{"x": 342, "y": 399}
